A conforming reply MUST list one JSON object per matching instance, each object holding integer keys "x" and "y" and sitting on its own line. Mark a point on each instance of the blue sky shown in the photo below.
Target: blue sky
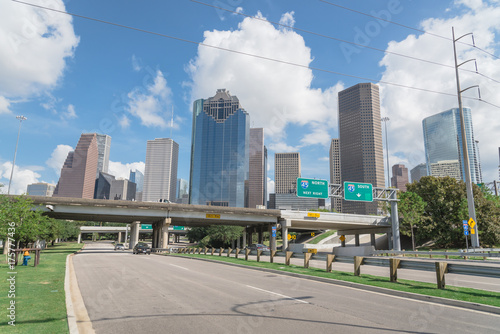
{"x": 69, "y": 75}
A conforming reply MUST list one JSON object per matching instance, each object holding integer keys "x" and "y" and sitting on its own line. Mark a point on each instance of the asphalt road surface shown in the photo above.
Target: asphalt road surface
{"x": 126, "y": 293}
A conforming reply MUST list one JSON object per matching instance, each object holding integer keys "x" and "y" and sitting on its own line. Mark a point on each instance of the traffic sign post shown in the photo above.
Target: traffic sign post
{"x": 354, "y": 191}
{"x": 312, "y": 188}
{"x": 466, "y": 233}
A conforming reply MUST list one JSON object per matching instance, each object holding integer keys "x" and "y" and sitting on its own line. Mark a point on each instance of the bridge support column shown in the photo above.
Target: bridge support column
{"x": 245, "y": 237}
{"x": 154, "y": 238}
{"x": 134, "y": 234}
{"x": 373, "y": 240}
{"x": 285, "y": 223}
{"x": 356, "y": 239}
{"x": 80, "y": 237}
{"x": 164, "y": 229}
{"x": 260, "y": 234}
{"x": 119, "y": 237}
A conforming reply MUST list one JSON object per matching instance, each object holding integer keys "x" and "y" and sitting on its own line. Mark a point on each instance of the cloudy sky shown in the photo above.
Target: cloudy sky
{"x": 286, "y": 60}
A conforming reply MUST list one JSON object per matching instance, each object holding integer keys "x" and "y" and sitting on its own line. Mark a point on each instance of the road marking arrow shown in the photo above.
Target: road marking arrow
{"x": 359, "y": 195}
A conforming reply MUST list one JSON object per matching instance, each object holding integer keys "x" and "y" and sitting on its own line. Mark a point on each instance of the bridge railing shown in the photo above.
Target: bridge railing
{"x": 441, "y": 267}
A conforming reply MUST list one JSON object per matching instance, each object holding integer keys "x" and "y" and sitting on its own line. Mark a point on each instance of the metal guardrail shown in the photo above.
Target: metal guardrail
{"x": 488, "y": 252}
{"x": 440, "y": 267}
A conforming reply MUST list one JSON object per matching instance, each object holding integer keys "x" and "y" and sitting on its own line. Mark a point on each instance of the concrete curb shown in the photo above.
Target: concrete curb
{"x": 78, "y": 318}
{"x": 396, "y": 293}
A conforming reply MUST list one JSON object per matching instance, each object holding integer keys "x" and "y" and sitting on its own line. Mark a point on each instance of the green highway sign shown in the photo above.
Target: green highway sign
{"x": 312, "y": 188}
{"x": 354, "y": 191}
{"x": 178, "y": 228}
{"x": 146, "y": 226}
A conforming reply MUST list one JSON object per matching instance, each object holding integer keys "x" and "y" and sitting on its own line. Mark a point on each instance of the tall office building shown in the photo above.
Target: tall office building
{"x": 335, "y": 177}
{"x": 182, "y": 188}
{"x": 138, "y": 178}
{"x": 445, "y": 168}
{"x": 360, "y": 135}
{"x": 286, "y": 172}
{"x": 160, "y": 175}
{"x": 103, "y": 147}
{"x": 103, "y": 186}
{"x": 257, "y": 179}
{"x": 399, "y": 177}
{"x": 41, "y": 189}
{"x": 443, "y": 143}
{"x": 78, "y": 172}
{"x": 122, "y": 189}
{"x": 418, "y": 172}
{"x": 219, "y": 152}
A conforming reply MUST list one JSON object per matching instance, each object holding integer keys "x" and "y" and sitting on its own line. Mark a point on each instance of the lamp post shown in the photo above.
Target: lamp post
{"x": 21, "y": 119}
{"x": 385, "y": 119}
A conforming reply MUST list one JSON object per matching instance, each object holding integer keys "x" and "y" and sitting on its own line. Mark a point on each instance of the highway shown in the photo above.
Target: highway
{"x": 127, "y": 293}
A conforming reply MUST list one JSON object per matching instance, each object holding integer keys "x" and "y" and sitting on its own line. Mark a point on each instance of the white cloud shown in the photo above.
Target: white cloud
{"x": 254, "y": 81}
{"x": 20, "y": 180}
{"x": 70, "y": 112}
{"x": 150, "y": 105}
{"x": 124, "y": 121}
{"x": 35, "y": 45}
{"x": 136, "y": 64}
{"x": 120, "y": 170}
{"x": 58, "y": 156}
{"x": 406, "y": 108}
{"x": 287, "y": 19}
{"x": 4, "y": 105}
{"x": 270, "y": 187}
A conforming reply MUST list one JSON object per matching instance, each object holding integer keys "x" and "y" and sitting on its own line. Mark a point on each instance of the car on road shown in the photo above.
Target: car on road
{"x": 142, "y": 247}
{"x": 259, "y": 247}
{"x": 119, "y": 247}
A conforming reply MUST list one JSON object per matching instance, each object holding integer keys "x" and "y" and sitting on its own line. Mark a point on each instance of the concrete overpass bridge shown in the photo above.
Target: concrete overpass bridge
{"x": 122, "y": 231}
{"x": 163, "y": 215}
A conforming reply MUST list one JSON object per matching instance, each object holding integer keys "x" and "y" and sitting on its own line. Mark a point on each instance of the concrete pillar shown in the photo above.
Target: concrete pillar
{"x": 284, "y": 233}
{"x": 245, "y": 237}
{"x": 373, "y": 240}
{"x": 389, "y": 240}
{"x": 134, "y": 234}
{"x": 119, "y": 237}
{"x": 260, "y": 233}
{"x": 165, "y": 225}
{"x": 356, "y": 239}
{"x": 154, "y": 239}
{"x": 80, "y": 238}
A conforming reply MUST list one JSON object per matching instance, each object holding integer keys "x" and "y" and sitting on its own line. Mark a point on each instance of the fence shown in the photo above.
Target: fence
{"x": 394, "y": 263}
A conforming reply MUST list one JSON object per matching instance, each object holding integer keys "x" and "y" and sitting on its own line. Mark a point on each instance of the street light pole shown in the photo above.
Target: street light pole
{"x": 385, "y": 119}
{"x": 21, "y": 119}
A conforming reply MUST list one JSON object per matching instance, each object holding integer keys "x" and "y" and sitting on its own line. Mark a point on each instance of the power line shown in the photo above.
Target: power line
{"x": 245, "y": 53}
{"x": 405, "y": 26}
{"x": 340, "y": 40}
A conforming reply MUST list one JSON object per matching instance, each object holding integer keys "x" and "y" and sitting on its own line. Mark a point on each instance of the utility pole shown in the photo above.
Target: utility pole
{"x": 465, "y": 151}
{"x": 21, "y": 119}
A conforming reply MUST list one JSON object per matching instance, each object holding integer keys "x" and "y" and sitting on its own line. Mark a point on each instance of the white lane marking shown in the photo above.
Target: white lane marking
{"x": 278, "y": 294}
{"x": 178, "y": 266}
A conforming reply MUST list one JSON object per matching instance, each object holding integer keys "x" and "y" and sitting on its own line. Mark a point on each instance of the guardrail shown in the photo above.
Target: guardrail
{"x": 394, "y": 263}
{"x": 484, "y": 253}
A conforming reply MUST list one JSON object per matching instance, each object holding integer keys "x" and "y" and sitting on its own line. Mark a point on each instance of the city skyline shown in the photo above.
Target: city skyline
{"x": 141, "y": 87}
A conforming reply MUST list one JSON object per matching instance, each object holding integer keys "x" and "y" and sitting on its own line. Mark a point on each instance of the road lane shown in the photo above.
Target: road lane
{"x": 127, "y": 293}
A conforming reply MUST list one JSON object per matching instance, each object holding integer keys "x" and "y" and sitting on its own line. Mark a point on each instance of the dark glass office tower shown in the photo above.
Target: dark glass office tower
{"x": 219, "y": 152}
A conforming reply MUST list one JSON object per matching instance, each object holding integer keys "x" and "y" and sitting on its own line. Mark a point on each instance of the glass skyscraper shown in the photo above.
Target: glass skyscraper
{"x": 219, "y": 152}
{"x": 443, "y": 143}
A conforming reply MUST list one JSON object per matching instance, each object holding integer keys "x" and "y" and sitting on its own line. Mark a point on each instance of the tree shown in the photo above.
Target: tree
{"x": 215, "y": 236}
{"x": 411, "y": 208}
{"x": 446, "y": 208}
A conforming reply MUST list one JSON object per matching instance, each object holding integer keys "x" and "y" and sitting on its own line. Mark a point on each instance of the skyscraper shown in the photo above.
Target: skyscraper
{"x": 138, "y": 178}
{"x": 103, "y": 147}
{"x": 443, "y": 143}
{"x": 103, "y": 186}
{"x": 399, "y": 177}
{"x": 335, "y": 177}
{"x": 160, "y": 175}
{"x": 418, "y": 172}
{"x": 257, "y": 179}
{"x": 286, "y": 172}
{"x": 122, "y": 189}
{"x": 219, "y": 152}
{"x": 360, "y": 135}
{"x": 79, "y": 170}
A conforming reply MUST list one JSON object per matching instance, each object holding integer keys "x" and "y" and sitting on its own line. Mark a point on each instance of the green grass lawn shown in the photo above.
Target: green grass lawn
{"x": 39, "y": 292}
{"x": 321, "y": 237}
{"x": 451, "y": 292}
